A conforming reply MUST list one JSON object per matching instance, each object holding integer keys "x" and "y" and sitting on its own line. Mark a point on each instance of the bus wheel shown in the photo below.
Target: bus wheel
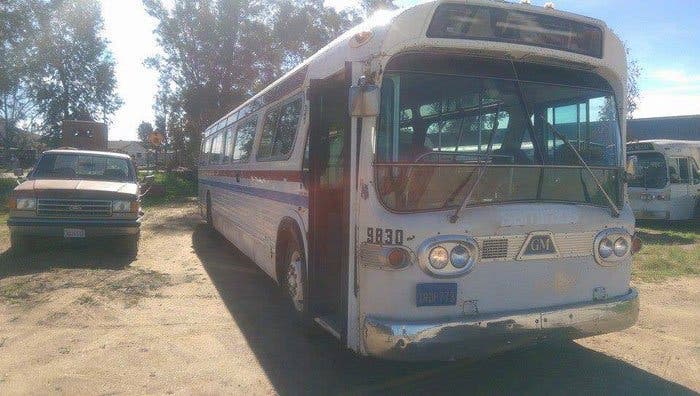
{"x": 295, "y": 277}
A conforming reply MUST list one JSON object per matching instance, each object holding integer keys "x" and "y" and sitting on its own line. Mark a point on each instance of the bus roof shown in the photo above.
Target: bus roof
{"x": 392, "y": 32}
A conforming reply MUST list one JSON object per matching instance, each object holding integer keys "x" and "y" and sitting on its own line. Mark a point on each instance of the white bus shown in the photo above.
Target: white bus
{"x": 666, "y": 184}
{"x": 441, "y": 181}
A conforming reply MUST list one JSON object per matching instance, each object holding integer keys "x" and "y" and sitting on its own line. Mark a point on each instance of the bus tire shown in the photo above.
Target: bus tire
{"x": 294, "y": 281}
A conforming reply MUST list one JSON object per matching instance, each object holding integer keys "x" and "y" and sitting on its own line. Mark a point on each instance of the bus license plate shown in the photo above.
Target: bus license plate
{"x": 73, "y": 233}
{"x": 436, "y": 294}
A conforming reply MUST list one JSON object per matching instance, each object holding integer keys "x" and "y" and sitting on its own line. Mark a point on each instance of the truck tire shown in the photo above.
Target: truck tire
{"x": 20, "y": 243}
{"x": 131, "y": 246}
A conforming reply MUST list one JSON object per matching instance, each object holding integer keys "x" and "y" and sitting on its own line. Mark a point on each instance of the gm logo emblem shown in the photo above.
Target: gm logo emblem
{"x": 538, "y": 245}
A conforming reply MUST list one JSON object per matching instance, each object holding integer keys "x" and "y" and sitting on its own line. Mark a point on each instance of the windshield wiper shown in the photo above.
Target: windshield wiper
{"x": 482, "y": 170}
{"x": 611, "y": 204}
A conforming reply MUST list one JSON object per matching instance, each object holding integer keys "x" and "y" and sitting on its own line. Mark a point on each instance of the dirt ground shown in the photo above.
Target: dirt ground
{"x": 193, "y": 315}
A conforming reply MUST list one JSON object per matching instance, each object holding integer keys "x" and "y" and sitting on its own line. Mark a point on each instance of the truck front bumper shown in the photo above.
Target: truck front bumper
{"x": 482, "y": 335}
{"x": 42, "y": 227}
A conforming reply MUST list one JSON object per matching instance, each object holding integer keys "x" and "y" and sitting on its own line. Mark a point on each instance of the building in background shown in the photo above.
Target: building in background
{"x": 134, "y": 148}
{"x": 84, "y": 135}
{"x": 672, "y": 128}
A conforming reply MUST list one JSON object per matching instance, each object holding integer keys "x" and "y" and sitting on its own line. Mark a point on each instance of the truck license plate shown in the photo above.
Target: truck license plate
{"x": 436, "y": 294}
{"x": 73, "y": 233}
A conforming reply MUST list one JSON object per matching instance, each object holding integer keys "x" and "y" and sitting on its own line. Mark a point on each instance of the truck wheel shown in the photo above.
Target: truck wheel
{"x": 20, "y": 243}
{"x": 131, "y": 246}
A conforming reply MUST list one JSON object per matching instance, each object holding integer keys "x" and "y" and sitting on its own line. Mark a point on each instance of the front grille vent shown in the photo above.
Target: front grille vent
{"x": 494, "y": 248}
{"x": 73, "y": 208}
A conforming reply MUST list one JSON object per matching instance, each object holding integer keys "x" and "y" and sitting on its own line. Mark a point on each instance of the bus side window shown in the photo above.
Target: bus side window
{"x": 683, "y": 170}
{"x": 674, "y": 170}
{"x": 244, "y": 140}
{"x": 694, "y": 172}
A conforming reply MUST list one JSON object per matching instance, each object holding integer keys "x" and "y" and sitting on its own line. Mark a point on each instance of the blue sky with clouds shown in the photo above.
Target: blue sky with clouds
{"x": 663, "y": 36}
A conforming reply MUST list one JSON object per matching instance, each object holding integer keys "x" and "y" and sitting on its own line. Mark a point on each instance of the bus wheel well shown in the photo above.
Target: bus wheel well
{"x": 287, "y": 230}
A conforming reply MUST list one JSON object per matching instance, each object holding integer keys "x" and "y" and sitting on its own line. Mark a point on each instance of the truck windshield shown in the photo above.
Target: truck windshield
{"x": 652, "y": 171}
{"x": 434, "y": 131}
{"x": 83, "y": 166}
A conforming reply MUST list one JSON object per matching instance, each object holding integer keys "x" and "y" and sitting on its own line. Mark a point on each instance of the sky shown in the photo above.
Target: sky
{"x": 662, "y": 36}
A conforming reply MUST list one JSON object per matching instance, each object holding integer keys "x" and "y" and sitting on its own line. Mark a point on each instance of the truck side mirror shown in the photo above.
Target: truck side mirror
{"x": 364, "y": 99}
{"x": 19, "y": 172}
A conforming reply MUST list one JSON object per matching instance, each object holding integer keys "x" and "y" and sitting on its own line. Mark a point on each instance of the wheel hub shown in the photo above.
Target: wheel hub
{"x": 295, "y": 284}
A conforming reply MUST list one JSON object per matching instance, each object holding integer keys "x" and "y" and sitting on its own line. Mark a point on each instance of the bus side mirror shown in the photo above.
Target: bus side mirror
{"x": 632, "y": 166}
{"x": 364, "y": 100}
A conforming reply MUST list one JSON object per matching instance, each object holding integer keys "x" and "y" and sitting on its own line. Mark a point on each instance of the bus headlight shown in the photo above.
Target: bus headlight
{"x": 459, "y": 256}
{"x": 605, "y": 248}
{"x": 447, "y": 256}
{"x": 621, "y": 247}
{"x": 611, "y": 246}
{"x": 438, "y": 257}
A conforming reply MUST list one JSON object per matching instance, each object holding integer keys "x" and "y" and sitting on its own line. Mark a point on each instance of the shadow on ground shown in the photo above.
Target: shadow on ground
{"x": 298, "y": 364}
{"x": 47, "y": 254}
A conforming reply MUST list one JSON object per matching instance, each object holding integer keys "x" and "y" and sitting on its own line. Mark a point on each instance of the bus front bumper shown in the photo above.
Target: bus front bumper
{"x": 482, "y": 335}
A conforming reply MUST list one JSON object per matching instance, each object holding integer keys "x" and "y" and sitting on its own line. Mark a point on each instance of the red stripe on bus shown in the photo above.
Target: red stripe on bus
{"x": 290, "y": 176}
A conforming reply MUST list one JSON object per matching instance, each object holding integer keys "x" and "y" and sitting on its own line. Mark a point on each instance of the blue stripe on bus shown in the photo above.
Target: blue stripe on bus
{"x": 278, "y": 196}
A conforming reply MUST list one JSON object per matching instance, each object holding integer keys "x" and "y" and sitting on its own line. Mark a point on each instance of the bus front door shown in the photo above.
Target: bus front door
{"x": 329, "y": 203}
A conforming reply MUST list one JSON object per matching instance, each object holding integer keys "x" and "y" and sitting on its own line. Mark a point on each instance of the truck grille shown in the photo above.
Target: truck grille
{"x": 494, "y": 248}
{"x": 73, "y": 207}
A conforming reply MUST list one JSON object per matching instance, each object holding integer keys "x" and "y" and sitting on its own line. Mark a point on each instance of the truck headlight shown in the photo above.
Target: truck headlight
{"x": 121, "y": 206}
{"x": 611, "y": 246}
{"x": 26, "y": 204}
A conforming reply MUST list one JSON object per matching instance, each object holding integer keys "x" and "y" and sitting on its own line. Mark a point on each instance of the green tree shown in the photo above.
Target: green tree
{"x": 217, "y": 53}
{"x": 370, "y": 6}
{"x": 145, "y": 130}
{"x": 77, "y": 70}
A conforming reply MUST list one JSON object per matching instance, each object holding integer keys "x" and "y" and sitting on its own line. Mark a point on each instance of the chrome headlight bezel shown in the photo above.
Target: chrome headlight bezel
{"x": 121, "y": 206}
{"x": 25, "y": 203}
{"x": 447, "y": 242}
{"x": 611, "y": 236}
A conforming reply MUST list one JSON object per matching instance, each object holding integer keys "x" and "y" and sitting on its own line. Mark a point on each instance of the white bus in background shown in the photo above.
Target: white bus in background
{"x": 442, "y": 181}
{"x": 666, "y": 184}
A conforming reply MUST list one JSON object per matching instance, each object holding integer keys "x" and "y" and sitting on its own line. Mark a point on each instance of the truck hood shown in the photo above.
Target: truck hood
{"x": 60, "y": 188}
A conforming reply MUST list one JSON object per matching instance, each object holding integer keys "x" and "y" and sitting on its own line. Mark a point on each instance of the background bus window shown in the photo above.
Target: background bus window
{"x": 678, "y": 171}
{"x": 279, "y": 132}
{"x": 217, "y": 148}
{"x": 229, "y": 141}
{"x": 244, "y": 140}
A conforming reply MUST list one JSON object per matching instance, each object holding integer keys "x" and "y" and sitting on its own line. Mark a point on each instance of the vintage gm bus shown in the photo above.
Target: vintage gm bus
{"x": 442, "y": 181}
{"x": 666, "y": 184}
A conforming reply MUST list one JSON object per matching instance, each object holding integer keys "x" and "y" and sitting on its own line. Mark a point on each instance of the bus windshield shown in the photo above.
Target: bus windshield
{"x": 436, "y": 131}
{"x": 652, "y": 171}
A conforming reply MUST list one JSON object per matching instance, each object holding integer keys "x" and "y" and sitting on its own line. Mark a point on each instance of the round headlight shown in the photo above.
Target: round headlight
{"x": 621, "y": 247}
{"x": 605, "y": 249}
{"x": 459, "y": 256}
{"x": 438, "y": 257}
